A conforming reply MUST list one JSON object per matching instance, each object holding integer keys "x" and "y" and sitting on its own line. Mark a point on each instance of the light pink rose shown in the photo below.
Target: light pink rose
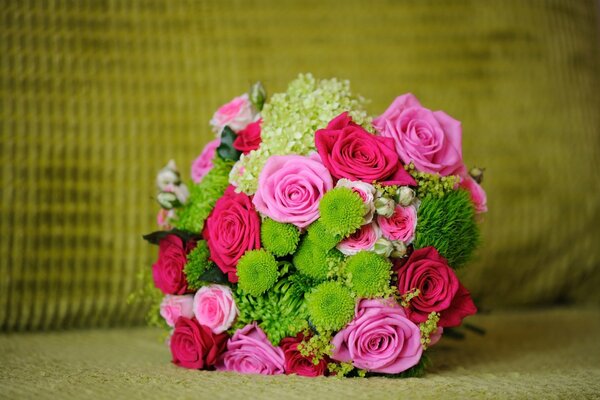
{"x": 363, "y": 239}
{"x": 432, "y": 140}
{"x": 215, "y": 308}
{"x": 250, "y": 352}
{"x": 203, "y": 163}
{"x": 173, "y": 307}
{"x": 236, "y": 114}
{"x": 380, "y": 338}
{"x": 477, "y": 193}
{"x": 401, "y": 225}
{"x": 290, "y": 188}
{"x": 163, "y": 217}
{"x": 366, "y": 191}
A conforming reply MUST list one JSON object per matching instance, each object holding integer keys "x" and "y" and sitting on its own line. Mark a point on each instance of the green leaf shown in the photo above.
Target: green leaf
{"x": 226, "y": 150}
{"x": 156, "y": 237}
{"x": 214, "y": 275}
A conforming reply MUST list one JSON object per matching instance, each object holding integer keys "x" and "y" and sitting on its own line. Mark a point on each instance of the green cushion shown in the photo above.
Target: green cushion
{"x": 98, "y": 95}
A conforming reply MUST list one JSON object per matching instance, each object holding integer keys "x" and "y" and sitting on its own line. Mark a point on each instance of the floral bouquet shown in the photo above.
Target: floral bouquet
{"x": 314, "y": 239}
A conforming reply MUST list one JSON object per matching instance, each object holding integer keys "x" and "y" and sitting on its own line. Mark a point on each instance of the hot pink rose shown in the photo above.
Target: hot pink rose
{"x": 214, "y": 307}
{"x": 349, "y": 151}
{"x": 380, "y": 338}
{"x": 296, "y": 363}
{"x": 477, "y": 193}
{"x": 203, "y": 163}
{"x": 250, "y": 352}
{"x": 290, "y": 188}
{"x": 430, "y": 140}
{"x": 439, "y": 289}
{"x": 401, "y": 225}
{"x": 195, "y": 346}
{"x": 173, "y": 307}
{"x": 248, "y": 139}
{"x": 362, "y": 239}
{"x": 366, "y": 191}
{"x": 236, "y": 114}
{"x": 167, "y": 271}
{"x": 232, "y": 228}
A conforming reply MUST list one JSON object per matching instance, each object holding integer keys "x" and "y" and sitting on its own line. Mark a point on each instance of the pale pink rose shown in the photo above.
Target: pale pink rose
{"x": 163, "y": 217}
{"x": 477, "y": 193}
{"x": 173, "y": 307}
{"x": 215, "y": 308}
{"x": 290, "y": 188}
{"x": 203, "y": 163}
{"x": 401, "y": 225}
{"x": 366, "y": 191}
{"x": 236, "y": 114}
{"x": 250, "y": 352}
{"x": 431, "y": 140}
{"x": 363, "y": 239}
{"x": 380, "y": 338}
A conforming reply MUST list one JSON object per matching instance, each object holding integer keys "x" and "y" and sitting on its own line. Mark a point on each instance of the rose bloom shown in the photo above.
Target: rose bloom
{"x": 478, "y": 196}
{"x": 203, "y": 163}
{"x": 248, "y": 139}
{"x": 366, "y": 192}
{"x": 250, "y": 352}
{"x": 432, "y": 141}
{"x": 173, "y": 307}
{"x": 214, "y": 307}
{"x": 349, "y": 151}
{"x": 194, "y": 346}
{"x": 380, "y": 338}
{"x": 401, "y": 225}
{"x": 167, "y": 271}
{"x": 236, "y": 114}
{"x": 362, "y": 239}
{"x": 232, "y": 228}
{"x": 296, "y": 363}
{"x": 439, "y": 289}
{"x": 290, "y": 188}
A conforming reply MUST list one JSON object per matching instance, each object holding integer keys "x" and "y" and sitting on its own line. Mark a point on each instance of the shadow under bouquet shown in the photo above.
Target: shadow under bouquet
{"x": 314, "y": 239}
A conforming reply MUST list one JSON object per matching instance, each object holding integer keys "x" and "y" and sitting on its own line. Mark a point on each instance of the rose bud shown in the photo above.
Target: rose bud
{"x": 405, "y": 195}
{"x": 168, "y": 176}
{"x": 167, "y": 200}
{"x": 258, "y": 95}
{"x": 385, "y": 207}
{"x": 477, "y": 174}
{"x": 399, "y": 249}
{"x": 383, "y": 247}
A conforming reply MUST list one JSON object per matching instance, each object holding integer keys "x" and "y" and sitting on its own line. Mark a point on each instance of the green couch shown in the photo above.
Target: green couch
{"x": 98, "y": 95}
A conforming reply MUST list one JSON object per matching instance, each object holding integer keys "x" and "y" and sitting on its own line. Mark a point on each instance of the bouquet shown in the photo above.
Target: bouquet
{"x": 315, "y": 240}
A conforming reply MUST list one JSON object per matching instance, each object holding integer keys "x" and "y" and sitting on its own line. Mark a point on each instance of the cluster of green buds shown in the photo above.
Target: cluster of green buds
{"x": 172, "y": 193}
{"x": 390, "y": 248}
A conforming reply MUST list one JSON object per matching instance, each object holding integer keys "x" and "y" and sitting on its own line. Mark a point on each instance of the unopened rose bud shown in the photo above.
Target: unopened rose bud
{"x": 258, "y": 95}
{"x": 383, "y": 247}
{"x": 168, "y": 176}
{"x": 385, "y": 207}
{"x": 182, "y": 193}
{"x": 477, "y": 174}
{"x": 167, "y": 200}
{"x": 405, "y": 195}
{"x": 399, "y": 249}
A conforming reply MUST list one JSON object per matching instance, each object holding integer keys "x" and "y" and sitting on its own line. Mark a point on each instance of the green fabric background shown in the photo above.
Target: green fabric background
{"x": 96, "y": 96}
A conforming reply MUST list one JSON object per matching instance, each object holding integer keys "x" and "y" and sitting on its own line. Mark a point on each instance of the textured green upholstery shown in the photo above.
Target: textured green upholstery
{"x": 97, "y": 95}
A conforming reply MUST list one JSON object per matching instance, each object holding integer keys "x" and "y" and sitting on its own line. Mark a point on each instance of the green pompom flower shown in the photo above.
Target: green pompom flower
{"x": 330, "y": 306}
{"x": 197, "y": 264}
{"x": 319, "y": 235}
{"x": 342, "y": 211}
{"x": 369, "y": 274}
{"x": 314, "y": 261}
{"x": 279, "y": 238}
{"x": 257, "y": 272}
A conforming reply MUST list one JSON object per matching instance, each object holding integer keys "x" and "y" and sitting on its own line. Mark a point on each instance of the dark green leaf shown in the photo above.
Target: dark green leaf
{"x": 214, "y": 275}
{"x": 155, "y": 237}
{"x": 226, "y": 150}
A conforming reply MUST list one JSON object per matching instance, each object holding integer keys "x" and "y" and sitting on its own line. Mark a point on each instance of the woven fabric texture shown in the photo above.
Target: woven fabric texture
{"x": 96, "y": 96}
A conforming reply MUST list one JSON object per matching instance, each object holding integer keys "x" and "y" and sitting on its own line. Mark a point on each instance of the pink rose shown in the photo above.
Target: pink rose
{"x": 214, "y": 307}
{"x": 173, "y": 307}
{"x": 401, "y": 225}
{"x": 439, "y": 289}
{"x": 195, "y": 346}
{"x": 203, "y": 163}
{"x": 232, "y": 228}
{"x": 478, "y": 196}
{"x": 167, "y": 271}
{"x": 380, "y": 338}
{"x": 432, "y": 141}
{"x": 250, "y": 352}
{"x": 236, "y": 114}
{"x": 290, "y": 188}
{"x": 349, "y": 151}
{"x": 366, "y": 192}
{"x": 248, "y": 139}
{"x": 362, "y": 239}
{"x": 296, "y": 363}
{"x": 162, "y": 218}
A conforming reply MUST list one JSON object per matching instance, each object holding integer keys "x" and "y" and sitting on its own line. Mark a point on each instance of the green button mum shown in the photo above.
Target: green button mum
{"x": 369, "y": 274}
{"x": 257, "y": 272}
{"x": 342, "y": 211}
{"x": 330, "y": 306}
{"x": 315, "y": 262}
{"x": 279, "y": 238}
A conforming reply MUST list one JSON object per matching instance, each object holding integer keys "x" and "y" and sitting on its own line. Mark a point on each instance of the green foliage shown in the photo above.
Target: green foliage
{"x": 197, "y": 264}
{"x": 316, "y": 262}
{"x": 432, "y": 184}
{"x": 151, "y": 297}
{"x": 226, "y": 150}
{"x": 203, "y": 197}
{"x": 342, "y": 211}
{"x": 257, "y": 271}
{"x": 330, "y": 306}
{"x": 319, "y": 235}
{"x": 448, "y": 224}
{"x": 369, "y": 274}
{"x": 279, "y": 238}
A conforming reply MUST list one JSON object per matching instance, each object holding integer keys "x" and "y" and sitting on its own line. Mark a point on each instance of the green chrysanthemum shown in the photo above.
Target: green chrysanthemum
{"x": 369, "y": 274}
{"x": 342, "y": 211}
{"x": 314, "y": 261}
{"x": 197, "y": 264}
{"x": 319, "y": 235}
{"x": 448, "y": 224}
{"x": 330, "y": 306}
{"x": 279, "y": 238}
{"x": 257, "y": 271}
